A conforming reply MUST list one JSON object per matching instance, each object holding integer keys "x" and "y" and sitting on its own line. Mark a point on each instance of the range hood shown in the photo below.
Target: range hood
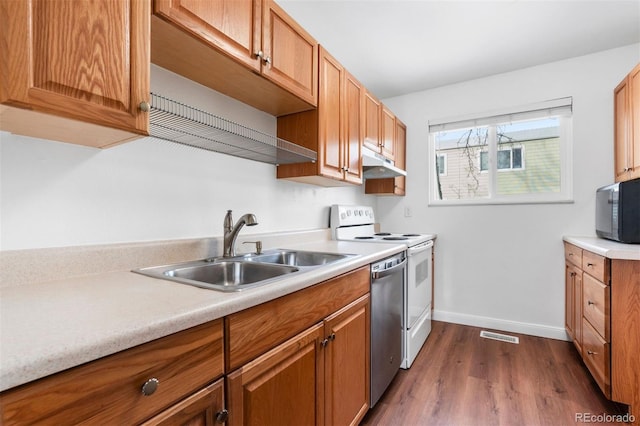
{"x": 375, "y": 166}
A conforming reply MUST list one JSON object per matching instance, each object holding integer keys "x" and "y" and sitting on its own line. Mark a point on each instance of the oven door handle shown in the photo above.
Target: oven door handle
{"x": 385, "y": 272}
{"x": 420, "y": 248}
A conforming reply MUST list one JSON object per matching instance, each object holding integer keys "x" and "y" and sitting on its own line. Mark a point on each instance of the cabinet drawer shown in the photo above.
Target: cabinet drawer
{"x": 595, "y": 265}
{"x": 573, "y": 254}
{"x": 109, "y": 390}
{"x": 595, "y": 305}
{"x": 596, "y": 355}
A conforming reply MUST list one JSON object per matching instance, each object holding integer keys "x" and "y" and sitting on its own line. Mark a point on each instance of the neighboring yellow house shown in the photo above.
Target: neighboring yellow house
{"x": 528, "y": 162}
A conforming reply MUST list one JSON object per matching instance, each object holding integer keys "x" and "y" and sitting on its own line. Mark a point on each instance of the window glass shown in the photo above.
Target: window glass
{"x": 520, "y": 157}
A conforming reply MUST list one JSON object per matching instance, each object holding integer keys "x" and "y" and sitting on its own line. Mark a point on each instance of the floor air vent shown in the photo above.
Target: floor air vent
{"x": 500, "y": 337}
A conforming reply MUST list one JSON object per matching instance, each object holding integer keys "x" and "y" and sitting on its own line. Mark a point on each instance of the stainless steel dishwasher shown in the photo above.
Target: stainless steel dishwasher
{"x": 387, "y": 287}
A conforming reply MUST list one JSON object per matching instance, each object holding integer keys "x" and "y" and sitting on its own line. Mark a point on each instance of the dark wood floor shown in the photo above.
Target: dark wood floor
{"x": 460, "y": 378}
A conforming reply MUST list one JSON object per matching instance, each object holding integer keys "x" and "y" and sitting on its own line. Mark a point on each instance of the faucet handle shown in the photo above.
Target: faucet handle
{"x": 257, "y": 243}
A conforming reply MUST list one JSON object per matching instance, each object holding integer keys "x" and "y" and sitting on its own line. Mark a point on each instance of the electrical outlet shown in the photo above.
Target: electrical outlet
{"x": 407, "y": 212}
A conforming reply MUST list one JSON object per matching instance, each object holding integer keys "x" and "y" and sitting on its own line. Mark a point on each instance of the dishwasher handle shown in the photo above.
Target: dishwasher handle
{"x": 385, "y": 272}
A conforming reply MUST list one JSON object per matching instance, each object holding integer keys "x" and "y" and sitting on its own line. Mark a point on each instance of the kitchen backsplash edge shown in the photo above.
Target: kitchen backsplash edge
{"x": 32, "y": 266}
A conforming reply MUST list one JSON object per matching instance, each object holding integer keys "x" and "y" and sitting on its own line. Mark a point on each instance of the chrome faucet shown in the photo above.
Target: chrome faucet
{"x": 231, "y": 231}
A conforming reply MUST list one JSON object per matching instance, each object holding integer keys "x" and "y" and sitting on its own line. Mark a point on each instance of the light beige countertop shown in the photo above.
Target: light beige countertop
{"x": 606, "y": 248}
{"x": 51, "y": 326}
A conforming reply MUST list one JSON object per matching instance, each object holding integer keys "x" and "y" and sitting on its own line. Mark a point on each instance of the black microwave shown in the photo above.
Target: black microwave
{"x": 618, "y": 212}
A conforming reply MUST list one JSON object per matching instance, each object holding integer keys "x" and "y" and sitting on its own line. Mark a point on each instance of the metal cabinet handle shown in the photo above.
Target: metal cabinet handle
{"x": 222, "y": 416}
{"x": 150, "y": 386}
{"x": 144, "y": 106}
{"x": 592, "y": 353}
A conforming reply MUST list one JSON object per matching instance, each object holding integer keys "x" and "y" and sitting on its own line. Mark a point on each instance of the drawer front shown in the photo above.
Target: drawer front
{"x": 109, "y": 390}
{"x": 573, "y": 254}
{"x": 596, "y": 305}
{"x": 253, "y": 331}
{"x": 595, "y": 265}
{"x": 596, "y": 356}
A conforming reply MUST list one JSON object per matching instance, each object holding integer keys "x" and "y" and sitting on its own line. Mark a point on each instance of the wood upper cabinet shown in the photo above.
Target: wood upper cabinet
{"x": 110, "y": 390}
{"x": 397, "y": 185}
{"x": 80, "y": 70}
{"x": 333, "y": 130}
{"x": 233, "y": 26}
{"x": 250, "y": 50}
{"x": 290, "y": 54}
{"x": 627, "y": 127}
{"x": 388, "y": 132}
{"x": 372, "y": 125}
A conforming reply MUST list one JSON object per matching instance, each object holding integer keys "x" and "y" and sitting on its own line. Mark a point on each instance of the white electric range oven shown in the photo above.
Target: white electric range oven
{"x": 356, "y": 223}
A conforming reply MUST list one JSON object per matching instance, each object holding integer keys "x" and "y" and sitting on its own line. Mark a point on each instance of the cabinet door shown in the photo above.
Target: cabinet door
{"x": 372, "y": 122}
{"x": 232, "y": 26}
{"x": 347, "y": 364}
{"x": 354, "y": 128}
{"x": 203, "y": 408}
{"x": 569, "y": 318}
{"x": 330, "y": 105}
{"x": 577, "y": 309}
{"x": 401, "y": 156}
{"x": 88, "y": 61}
{"x": 387, "y": 144}
{"x": 290, "y": 53}
{"x": 633, "y": 148}
{"x": 621, "y": 130}
{"x": 282, "y": 386}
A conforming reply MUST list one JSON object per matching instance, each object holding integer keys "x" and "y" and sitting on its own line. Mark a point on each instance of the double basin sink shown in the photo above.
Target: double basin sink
{"x": 241, "y": 272}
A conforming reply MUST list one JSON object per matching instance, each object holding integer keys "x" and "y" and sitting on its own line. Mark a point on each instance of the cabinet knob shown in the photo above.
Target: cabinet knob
{"x": 150, "y": 386}
{"x": 324, "y": 342}
{"x": 589, "y": 302}
{"x": 260, "y": 54}
{"x": 144, "y": 106}
{"x": 589, "y": 264}
{"x": 332, "y": 337}
{"x": 267, "y": 60}
{"x": 573, "y": 274}
{"x": 222, "y": 416}
{"x": 592, "y": 353}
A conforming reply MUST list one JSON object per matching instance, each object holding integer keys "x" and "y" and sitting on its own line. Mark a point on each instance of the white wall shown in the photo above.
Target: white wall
{"x": 55, "y": 194}
{"x": 501, "y": 266}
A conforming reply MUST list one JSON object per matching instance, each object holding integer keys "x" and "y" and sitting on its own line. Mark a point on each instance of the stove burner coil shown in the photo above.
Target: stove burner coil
{"x": 395, "y": 238}
{"x": 382, "y": 234}
{"x": 410, "y": 235}
{"x": 364, "y": 238}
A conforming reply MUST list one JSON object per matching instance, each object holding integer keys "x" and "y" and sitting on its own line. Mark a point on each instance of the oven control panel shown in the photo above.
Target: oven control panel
{"x": 351, "y": 215}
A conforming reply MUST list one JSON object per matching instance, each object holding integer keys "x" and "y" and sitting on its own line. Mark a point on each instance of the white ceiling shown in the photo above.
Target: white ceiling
{"x": 400, "y": 46}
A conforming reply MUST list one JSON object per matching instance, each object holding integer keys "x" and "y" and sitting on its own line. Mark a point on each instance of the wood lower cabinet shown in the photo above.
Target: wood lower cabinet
{"x": 627, "y": 127}
{"x": 110, "y": 390}
{"x": 302, "y": 359}
{"x": 333, "y": 130}
{"x": 205, "y": 407}
{"x": 320, "y": 376}
{"x": 75, "y": 71}
{"x": 610, "y": 318}
{"x": 397, "y": 185}
{"x": 250, "y": 50}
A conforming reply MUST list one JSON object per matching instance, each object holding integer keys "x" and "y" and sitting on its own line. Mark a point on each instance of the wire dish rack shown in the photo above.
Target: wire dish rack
{"x": 176, "y": 122}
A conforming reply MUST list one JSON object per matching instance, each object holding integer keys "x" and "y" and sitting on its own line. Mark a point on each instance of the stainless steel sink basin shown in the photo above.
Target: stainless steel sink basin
{"x": 296, "y": 257}
{"x": 224, "y": 275}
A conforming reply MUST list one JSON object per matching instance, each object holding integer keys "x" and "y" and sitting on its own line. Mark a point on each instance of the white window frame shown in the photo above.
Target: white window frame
{"x": 561, "y": 108}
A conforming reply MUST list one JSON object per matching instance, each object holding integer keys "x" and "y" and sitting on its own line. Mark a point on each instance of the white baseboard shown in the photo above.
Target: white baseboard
{"x": 539, "y": 330}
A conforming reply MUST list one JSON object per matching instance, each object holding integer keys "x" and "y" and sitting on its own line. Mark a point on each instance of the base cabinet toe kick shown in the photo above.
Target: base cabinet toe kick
{"x": 602, "y": 313}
